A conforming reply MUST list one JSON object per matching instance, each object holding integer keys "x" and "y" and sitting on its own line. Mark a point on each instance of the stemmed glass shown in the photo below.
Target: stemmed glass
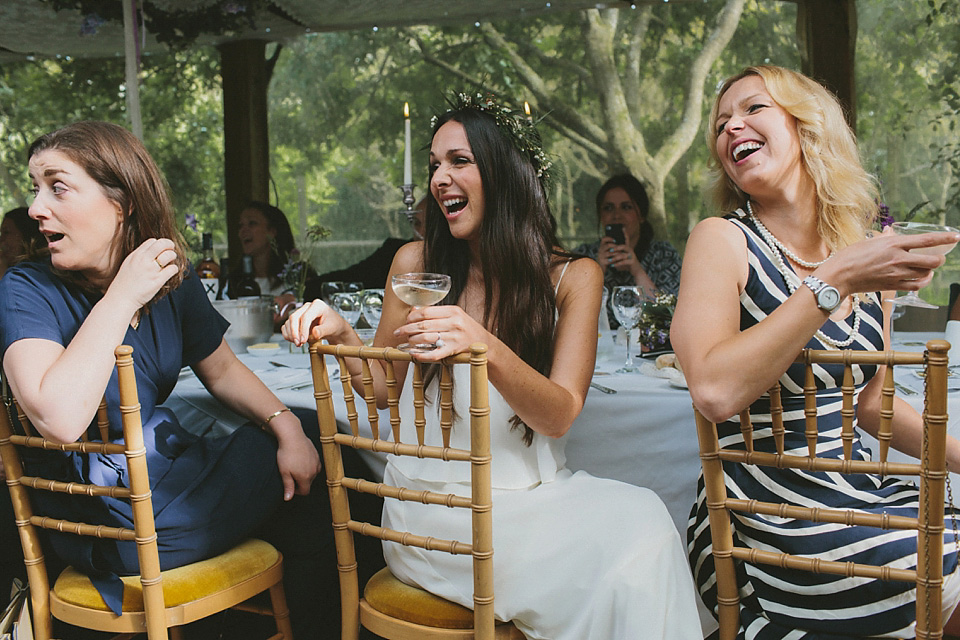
{"x": 420, "y": 290}
{"x": 911, "y": 299}
{"x": 627, "y": 307}
{"x": 348, "y": 306}
{"x": 371, "y": 304}
{"x": 328, "y": 289}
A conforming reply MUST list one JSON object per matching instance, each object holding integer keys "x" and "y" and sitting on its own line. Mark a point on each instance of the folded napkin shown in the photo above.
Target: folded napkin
{"x": 671, "y": 374}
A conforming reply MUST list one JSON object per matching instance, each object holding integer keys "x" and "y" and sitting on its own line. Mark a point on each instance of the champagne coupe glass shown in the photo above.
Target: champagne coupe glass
{"x": 627, "y": 307}
{"x": 911, "y": 299}
{"x": 353, "y": 287}
{"x": 371, "y": 304}
{"x": 420, "y": 290}
{"x": 348, "y": 306}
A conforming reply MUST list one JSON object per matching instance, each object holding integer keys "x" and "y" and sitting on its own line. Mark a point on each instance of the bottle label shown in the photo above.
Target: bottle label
{"x": 210, "y": 286}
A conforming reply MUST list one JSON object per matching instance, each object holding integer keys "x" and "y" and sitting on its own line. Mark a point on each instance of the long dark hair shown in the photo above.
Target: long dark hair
{"x": 638, "y": 194}
{"x": 128, "y": 176}
{"x": 282, "y": 243}
{"x": 518, "y": 245}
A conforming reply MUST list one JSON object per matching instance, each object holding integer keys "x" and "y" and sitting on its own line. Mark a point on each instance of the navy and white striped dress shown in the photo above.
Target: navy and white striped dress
{"x": 781, "y": 603}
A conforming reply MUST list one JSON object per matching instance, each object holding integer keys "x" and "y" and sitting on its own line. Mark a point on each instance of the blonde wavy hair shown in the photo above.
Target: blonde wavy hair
{"x": 846, "y": 194}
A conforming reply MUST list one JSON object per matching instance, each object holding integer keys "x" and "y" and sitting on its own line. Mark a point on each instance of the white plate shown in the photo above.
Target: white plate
{"x": 264, "y": 349}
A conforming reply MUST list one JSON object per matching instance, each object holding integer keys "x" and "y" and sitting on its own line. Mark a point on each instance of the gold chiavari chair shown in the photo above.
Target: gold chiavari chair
{"x": 931, "y": 471}
{"x": 389, "y": 607}
{"x": 154, "y": 601}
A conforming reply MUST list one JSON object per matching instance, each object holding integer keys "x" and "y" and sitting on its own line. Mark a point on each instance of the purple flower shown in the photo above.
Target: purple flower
{"x": 91, "y": 24}
{"x": 191, "y": 221}
{"x": 883, "y": 215}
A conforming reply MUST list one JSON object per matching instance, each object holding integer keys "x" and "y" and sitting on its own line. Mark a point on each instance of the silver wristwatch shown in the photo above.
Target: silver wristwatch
{"x": 828, "y": 298}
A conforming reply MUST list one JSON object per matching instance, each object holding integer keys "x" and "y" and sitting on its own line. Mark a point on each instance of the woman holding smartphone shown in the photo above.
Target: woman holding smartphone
{"x": 627, "y": 252}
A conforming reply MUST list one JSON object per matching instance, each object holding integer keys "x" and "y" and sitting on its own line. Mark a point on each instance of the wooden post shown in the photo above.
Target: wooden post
{"x": 246, "y": 147}
{"x": 827, "y": 34}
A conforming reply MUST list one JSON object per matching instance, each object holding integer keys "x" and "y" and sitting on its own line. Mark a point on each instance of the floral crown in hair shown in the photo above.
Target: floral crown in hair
{"x": 516, "y": 124}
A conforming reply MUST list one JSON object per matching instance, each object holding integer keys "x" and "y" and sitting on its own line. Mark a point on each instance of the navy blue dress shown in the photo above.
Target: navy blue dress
{"x": 208, "y": 494}
{"x": 779, "y": 603}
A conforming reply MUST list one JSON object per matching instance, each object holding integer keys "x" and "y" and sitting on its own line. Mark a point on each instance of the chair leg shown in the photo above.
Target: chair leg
{"x": 280, "y": 611}
{"x": 176, "y": 633}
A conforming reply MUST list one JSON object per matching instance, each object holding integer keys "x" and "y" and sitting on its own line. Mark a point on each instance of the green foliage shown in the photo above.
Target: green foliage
{"x": 183, "y": 130}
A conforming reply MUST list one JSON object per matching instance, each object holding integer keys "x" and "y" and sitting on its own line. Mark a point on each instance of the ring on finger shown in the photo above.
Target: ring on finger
{"x": 158, "y": 263}
{"x": 439, "y": 341}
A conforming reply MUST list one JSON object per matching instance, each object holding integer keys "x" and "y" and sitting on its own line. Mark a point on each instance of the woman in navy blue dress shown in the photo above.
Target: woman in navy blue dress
{"x": 790, "y": 268}
{"x": 118, "y": 273}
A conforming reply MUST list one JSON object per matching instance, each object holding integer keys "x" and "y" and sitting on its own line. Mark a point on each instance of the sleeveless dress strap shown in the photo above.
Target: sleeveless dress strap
{"x": 560, "y": 279}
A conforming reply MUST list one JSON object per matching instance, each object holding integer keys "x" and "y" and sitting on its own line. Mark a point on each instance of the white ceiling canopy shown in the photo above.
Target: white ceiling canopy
{"x": 35, "y": 28}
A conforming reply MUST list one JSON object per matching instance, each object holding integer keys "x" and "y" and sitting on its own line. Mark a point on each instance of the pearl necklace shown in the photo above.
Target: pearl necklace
{"x": 772, "y": 240}
{"x": 773, "y": 244}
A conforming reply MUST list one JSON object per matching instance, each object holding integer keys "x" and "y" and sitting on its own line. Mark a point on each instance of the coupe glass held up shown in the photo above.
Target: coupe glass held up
{"x": 420, "y": 290}
{"x": 911, "y": 299}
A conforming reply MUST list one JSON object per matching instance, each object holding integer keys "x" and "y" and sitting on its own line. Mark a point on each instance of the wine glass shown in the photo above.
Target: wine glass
{"x": 627, "y": 307}
{"x": 911, "y": 299}
{"x": 371, "y": 304}
{"x": 348, "y": 306}
{"x": 328, "y": 289}
{"x": 420, "y": 290}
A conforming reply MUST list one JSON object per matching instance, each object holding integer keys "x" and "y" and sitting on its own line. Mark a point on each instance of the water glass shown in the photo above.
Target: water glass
{"x": 371, "y": 304}
{"x": 348, "y": 306}
{"x": 353, "y": 287}
{"x": 627, "y": 308}
{"x": 328, "y": 289}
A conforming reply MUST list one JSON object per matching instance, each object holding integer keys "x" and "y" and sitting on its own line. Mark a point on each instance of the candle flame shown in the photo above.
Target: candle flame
{"x": 526, "y": 107}
{"x": 406, "y": 109}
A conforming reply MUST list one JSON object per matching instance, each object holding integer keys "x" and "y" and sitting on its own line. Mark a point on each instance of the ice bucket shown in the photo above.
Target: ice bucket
{"x": 251, "y": 321}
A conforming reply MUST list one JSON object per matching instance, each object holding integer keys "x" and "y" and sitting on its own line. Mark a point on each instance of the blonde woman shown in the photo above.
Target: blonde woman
{"x": 790, "y": 268}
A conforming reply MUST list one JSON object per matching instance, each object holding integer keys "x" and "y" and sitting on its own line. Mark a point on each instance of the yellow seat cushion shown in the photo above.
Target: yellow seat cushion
{"x": 180, "y": 585}
{"x": 399, "y": 600}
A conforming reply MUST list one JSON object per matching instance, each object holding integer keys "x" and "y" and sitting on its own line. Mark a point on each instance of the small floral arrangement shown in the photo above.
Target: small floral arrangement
{"x": 299, "y": 262}
{"x": 655, "y": 322}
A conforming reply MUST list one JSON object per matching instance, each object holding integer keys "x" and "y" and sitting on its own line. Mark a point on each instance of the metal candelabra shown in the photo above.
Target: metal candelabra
{"x": 408, "y": 200}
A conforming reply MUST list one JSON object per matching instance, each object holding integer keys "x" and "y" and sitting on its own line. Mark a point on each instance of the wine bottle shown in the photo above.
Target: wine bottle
{"x": 246, "y": 286}
{"x": 223, "y": 290}
{"x": 208, "y": 269}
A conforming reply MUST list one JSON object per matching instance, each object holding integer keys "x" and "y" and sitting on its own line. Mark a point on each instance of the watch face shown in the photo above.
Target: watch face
{"x": 829, "y": 298}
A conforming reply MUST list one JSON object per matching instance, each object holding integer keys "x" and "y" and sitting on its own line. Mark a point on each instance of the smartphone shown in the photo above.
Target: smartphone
{"x": 615, "y": 231}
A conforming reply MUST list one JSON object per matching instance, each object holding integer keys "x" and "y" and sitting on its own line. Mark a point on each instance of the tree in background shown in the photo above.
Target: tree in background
{"x": 181, "y": 112}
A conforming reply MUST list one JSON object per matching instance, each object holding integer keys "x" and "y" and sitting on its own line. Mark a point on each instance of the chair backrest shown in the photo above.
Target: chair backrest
{"x": 138, "y": 492}
{"x": 931, "y": 471}
{"x": 478, "y": 457}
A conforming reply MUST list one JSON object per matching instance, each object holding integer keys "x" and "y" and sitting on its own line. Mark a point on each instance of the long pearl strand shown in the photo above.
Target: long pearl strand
{"x": 775, "y": 248}
{"x": 772, "y": 240}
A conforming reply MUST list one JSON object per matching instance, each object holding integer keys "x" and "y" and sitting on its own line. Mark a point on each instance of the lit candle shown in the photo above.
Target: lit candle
{"x": 407, "y": 169}
{"x": 526, "y": 110}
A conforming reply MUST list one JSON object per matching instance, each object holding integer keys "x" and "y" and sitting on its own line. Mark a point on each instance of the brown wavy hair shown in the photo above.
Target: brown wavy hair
{"x": 128, "y": 176}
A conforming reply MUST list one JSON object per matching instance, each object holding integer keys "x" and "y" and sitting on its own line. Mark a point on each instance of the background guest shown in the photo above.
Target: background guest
{"x": 19, "y": 236}
{"x": 640, "y": 260}
{"x": 265, "y": 235}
